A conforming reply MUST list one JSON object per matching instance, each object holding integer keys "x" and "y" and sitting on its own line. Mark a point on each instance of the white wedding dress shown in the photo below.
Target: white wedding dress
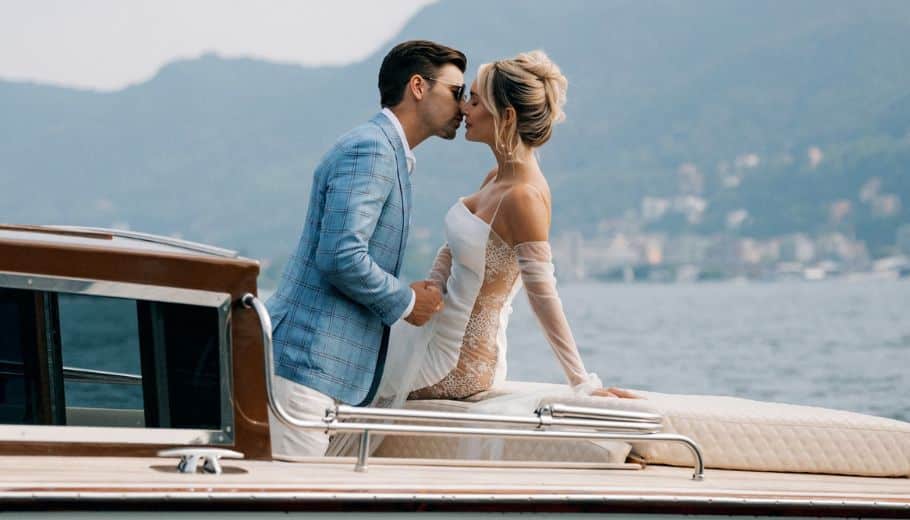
{"x": 461, "y": 350}
{"x": 470, "y": 332}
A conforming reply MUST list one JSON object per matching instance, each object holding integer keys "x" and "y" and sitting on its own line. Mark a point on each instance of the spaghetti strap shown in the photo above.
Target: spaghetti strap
{"x": 496, "y": 211}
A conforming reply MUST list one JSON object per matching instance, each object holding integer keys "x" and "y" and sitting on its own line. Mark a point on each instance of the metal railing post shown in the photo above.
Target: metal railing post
{"x": 363, "y": 452}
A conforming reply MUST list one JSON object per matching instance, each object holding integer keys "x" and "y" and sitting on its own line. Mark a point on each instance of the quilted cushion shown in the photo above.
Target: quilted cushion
{"x": 733, "y": 433}
{"x": 736, "y": 433}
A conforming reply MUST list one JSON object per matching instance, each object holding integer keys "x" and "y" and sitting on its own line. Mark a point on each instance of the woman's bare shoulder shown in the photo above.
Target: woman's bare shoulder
{"x": 526, "y": 210}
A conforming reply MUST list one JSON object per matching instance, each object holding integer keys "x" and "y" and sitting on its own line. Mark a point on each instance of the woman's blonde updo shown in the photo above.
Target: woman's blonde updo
{"x": 532, "y": 85}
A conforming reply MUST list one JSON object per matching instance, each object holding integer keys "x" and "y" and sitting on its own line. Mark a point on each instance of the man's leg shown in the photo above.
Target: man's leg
{"x": 303, "y": 403}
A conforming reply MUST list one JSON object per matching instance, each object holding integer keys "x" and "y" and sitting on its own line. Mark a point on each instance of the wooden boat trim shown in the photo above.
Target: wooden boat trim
{"x": 326, "y": 484}
{"x": 239, "y": 500}
{"x": 230, "y": 277}
{"x": 146, "y": 237}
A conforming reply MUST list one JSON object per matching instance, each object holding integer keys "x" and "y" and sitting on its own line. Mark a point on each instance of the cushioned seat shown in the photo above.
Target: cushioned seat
{"x": 733, "y": 433}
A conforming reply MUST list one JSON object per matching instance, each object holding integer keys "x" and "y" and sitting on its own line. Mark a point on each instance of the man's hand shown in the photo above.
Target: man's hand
{"x": 428, "y": 302}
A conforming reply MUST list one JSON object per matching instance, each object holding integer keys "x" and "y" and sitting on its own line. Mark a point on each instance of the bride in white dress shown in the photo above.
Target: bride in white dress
{"x": 496, "y": 242}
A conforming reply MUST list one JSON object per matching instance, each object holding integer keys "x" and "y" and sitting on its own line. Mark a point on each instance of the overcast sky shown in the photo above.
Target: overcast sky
{"x": 108, "y": 44}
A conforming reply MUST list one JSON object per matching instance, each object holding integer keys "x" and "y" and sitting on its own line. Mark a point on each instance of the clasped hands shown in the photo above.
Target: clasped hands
{"x": 427, "y": 302}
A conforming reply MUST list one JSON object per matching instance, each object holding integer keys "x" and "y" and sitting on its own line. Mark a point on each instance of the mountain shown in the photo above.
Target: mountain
{"x": 222, "y": 150}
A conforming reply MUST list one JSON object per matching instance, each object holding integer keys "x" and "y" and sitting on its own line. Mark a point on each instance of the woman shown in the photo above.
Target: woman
{"x": 496, "y": 241}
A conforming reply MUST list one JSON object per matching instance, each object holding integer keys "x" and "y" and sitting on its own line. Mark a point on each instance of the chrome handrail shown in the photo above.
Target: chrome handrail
{"x": 154, "y": 239}
{"x": 85, "y": 375}
{"x": 584, "y": 412}
{"x": 331, "y": 423}
{"x": 443, "y": 431}
{"x": 539, "y": 421}
{"x": 77, "y": 375}
{"x": 250, "y": 301}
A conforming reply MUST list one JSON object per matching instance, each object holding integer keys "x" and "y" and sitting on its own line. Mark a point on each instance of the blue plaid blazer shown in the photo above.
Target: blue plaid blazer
{"x": 339, "y": 292}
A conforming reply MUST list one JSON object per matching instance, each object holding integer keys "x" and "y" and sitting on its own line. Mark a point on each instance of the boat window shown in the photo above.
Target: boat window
{"x": 99, "y": 344}
{"x": 79, "y": 357}
{"x": 19, "y": 401}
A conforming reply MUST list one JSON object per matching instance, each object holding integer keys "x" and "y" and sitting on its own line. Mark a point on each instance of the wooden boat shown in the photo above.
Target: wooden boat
{"x": 198, "y": 341}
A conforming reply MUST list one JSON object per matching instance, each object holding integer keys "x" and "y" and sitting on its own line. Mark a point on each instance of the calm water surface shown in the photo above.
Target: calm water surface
{"x": 836, "y": 344}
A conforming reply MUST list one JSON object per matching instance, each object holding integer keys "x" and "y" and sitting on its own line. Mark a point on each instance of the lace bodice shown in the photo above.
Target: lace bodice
{"x": 479, "y": 352}
{"x": 462, "y": 350}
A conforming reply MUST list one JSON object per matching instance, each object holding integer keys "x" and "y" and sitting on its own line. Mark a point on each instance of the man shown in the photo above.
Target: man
{"x": 339, "y": 293}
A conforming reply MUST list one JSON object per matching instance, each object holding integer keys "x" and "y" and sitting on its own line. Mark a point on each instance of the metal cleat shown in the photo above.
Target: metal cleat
{"x": 190, "y": 458}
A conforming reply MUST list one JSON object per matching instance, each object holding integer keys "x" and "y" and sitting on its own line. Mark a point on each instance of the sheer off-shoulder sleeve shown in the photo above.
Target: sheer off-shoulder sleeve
{"x": 442, "y": 268}
{"x": 535, "y": 261}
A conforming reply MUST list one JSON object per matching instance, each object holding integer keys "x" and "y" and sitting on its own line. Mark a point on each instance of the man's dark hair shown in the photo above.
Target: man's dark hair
{"x": 421, "y": 57}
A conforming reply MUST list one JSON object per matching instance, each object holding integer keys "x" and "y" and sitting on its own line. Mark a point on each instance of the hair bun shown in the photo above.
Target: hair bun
{"x": 540, "y": 65}
{"x": 555, "y": 83}
{"x": 534, "y": 87}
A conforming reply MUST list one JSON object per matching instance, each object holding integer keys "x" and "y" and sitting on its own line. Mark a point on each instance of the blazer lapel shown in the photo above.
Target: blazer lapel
{"x": 404, "y": 181}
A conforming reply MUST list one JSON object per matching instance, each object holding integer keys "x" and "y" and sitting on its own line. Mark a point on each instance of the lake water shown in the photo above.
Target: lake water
{"x": 836, "y": 344}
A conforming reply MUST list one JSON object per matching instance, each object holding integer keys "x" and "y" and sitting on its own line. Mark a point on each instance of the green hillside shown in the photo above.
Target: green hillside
{"x": 222, "y": 150}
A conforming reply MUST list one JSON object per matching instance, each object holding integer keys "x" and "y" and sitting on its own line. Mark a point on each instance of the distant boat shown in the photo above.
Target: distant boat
{"x": 814, "y": 274}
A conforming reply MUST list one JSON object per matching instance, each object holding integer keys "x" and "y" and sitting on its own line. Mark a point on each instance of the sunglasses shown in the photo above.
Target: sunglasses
{"x": 458, "y": 92}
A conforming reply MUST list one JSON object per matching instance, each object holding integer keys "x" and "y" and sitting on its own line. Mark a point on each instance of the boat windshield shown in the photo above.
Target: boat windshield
{"x": 126, "y": 356}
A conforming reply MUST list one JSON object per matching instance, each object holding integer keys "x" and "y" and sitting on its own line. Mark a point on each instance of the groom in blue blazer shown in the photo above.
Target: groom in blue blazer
{"x": 339, "y": 293}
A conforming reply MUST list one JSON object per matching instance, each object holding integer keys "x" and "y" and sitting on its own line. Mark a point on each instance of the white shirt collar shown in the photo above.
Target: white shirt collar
{"x": 408, "y": 154}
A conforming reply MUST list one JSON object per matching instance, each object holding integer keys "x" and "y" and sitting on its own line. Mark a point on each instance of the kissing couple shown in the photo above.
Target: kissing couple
{"x": 345, "y": 328}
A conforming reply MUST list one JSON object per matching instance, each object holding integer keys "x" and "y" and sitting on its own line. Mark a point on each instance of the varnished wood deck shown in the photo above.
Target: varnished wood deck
{"x": 35, "y": 482}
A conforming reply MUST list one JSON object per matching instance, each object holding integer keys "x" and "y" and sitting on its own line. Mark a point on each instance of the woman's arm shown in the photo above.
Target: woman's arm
{"x": 528, "y": 218}
{"x": 442, "y": 268}
{"x": 535, "y": 263}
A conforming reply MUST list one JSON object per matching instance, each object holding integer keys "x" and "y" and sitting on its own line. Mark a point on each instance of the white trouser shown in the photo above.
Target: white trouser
{"x": 304, "y": 403}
